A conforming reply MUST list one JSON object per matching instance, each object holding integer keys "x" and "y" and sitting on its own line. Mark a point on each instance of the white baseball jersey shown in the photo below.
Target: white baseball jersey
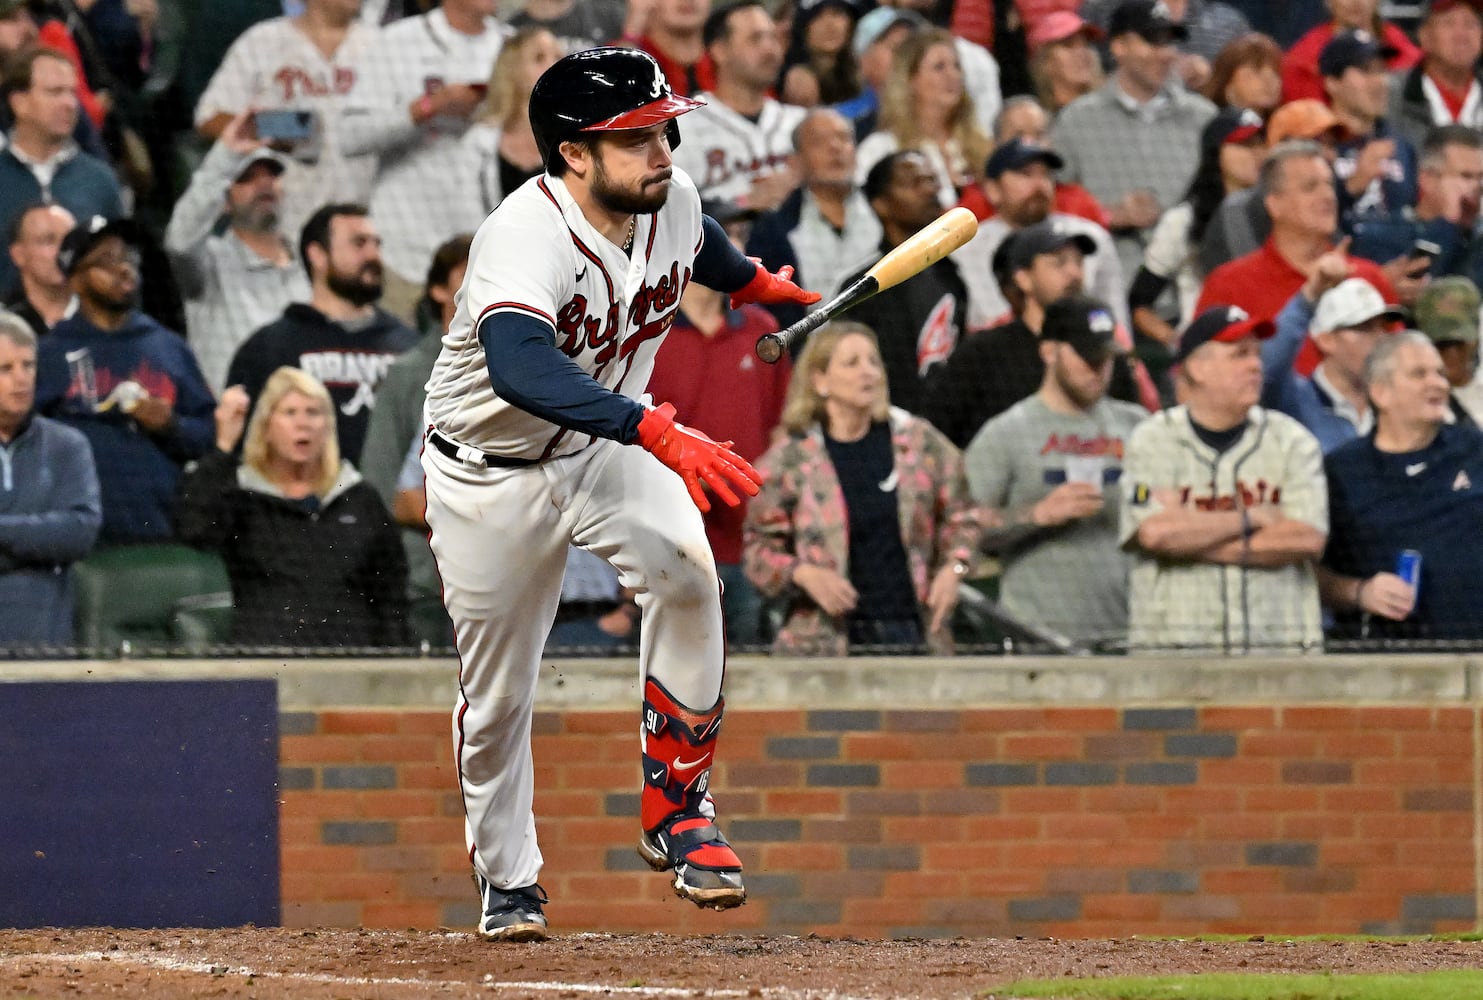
{"x": 274, "y": 65}
{"x": 724, "y": 152}
{"x": 418, "y": 198}
{"x": 537, "y": 255}
{"x": 1191, "y": 604}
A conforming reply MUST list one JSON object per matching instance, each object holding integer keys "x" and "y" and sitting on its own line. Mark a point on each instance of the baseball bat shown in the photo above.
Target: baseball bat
{"x": 920, "y": 251}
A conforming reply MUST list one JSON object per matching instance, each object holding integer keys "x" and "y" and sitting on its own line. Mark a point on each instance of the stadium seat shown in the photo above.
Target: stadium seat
{"x": 150, "y": 597}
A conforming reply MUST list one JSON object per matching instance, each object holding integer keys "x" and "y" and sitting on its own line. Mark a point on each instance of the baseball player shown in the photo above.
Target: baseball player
{"x": 571, "y": 286}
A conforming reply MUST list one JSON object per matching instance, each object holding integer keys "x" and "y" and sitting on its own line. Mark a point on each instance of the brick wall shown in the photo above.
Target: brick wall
{"x": 983, "y": 821}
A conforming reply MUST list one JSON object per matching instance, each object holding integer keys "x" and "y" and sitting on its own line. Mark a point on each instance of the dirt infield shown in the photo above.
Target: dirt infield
{"x": 332, "y": 964}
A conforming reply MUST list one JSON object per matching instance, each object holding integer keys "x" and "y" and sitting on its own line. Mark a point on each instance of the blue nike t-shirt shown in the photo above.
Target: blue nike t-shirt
{"x": 1430, "y": 500}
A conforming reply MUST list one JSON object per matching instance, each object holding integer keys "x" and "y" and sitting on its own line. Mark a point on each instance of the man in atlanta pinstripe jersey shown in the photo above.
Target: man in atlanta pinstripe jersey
{"x": 1225, "y": 506}
{"x": 572, "y": 284}
{"x": 737, "y": 147}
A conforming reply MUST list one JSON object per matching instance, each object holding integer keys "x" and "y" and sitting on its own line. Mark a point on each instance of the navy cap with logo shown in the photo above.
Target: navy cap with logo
{"x": 1232, "y": 125}
{"x": 85, "y": 235}
{"x": 1086, "y": 324}
{"x": 1046, "y": 236}
{"x": 1017, "y": 154}
{"x": 1221, "y": 324}
{"x": 1149, "y": 19}
{"x": 1350, "y": 49}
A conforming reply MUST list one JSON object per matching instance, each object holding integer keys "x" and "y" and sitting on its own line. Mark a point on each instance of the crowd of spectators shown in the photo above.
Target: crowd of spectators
{"x": 1204, "y": 380}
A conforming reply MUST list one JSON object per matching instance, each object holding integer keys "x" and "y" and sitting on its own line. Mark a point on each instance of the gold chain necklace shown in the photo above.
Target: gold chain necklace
{"x": 628, "y": 243}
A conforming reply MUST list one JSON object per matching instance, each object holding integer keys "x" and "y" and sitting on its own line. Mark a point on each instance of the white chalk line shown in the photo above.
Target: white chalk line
{"x": 487, "y": 982}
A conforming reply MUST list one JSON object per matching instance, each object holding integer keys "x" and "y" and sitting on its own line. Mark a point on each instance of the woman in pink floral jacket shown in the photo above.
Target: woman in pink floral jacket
{"x": 863, "y": 527}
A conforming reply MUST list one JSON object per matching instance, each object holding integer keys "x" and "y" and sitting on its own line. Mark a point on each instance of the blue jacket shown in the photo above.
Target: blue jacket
{"x": 50, "y": 511}
{"x": 1288, "y": 392}
{"x": 78, "y": 366}
{"x": 84, "y": 185}
{"x": 1397, "y": 192}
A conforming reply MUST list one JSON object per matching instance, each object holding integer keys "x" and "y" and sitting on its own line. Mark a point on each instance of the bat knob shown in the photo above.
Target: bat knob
{"x": 770, "y": 348}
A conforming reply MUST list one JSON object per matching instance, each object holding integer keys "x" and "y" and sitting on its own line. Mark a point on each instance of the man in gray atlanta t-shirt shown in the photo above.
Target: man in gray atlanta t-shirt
{"x": 1049, "y": 467}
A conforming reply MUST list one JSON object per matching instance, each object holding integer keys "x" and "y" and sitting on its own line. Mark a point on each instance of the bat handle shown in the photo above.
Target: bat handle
{"x": 771, "y": 346}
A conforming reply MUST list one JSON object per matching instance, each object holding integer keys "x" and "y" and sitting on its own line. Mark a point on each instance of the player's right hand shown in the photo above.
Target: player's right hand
{"x": 697, "y": 458}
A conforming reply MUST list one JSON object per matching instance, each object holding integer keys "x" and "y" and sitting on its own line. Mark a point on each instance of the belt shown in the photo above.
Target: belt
{"x": 463, "y": 453}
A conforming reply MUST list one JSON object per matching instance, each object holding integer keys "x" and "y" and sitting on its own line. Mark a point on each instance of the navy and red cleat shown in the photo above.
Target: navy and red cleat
{"x": 707, "y": 871}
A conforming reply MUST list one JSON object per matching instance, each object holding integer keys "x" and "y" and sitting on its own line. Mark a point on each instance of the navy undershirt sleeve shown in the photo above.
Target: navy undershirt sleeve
{"x": 528, "y": 371}
{"x": 720, "y": 265}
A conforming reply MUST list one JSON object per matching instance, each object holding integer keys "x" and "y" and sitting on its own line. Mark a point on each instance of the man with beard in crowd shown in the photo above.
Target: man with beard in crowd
{"x": 1020, "y": 182}
{"x": 994, "y": 369}
{"x": 339, "y": 336}
{"x": 240, "y": 278}
{"x": 129, "y": 384}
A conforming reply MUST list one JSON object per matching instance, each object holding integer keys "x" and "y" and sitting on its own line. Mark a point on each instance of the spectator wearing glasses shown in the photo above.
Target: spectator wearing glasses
{"x": 131, "y": 386}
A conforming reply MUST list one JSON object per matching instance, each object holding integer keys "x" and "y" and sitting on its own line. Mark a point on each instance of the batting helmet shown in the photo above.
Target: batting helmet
{"x": 602, "y": 90}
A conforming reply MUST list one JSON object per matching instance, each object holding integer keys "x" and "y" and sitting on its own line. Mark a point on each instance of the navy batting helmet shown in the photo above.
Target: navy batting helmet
{"x": 602, "y": 90}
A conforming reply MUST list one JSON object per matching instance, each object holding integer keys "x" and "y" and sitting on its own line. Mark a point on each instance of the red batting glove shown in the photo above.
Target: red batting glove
{"x": 772, "y": 288}
{"x": 697, "y": 458}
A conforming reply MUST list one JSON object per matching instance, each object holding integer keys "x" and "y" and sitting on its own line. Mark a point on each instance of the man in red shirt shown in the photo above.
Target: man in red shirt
{"x": 1303, "y": 205}
{"x": 713, "y": 345}
{"x": 1300, "y": 76}
{"x": 670, "y": 31}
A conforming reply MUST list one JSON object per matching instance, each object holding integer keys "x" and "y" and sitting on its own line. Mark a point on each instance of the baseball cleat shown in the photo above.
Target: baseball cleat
{"x": 511, "y": 914}
{"x": 707, "y": 871}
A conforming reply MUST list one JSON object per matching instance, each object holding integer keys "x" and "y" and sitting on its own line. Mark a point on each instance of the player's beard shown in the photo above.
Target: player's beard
{"x": 645, "y": 199}
{"x": 360, "y": 288}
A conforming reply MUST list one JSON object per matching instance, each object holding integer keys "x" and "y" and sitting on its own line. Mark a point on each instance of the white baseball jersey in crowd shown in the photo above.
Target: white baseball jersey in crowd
{"x": 413, "y": 203}
{"x": 500, "y": 535}
{"x": 1199, "y": 605}
{"x": 274, "y": 65}
{"x": 724, "y": 151}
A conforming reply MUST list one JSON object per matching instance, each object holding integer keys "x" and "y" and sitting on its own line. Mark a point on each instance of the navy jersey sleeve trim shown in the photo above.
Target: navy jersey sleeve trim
{"x": 527, "y": 370}
{"x": 719, "y": 264}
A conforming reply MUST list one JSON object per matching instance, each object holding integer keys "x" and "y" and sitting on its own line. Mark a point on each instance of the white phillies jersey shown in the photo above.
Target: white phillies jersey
{"x": 724, "y": 152}
{"x": 537, "y": 255}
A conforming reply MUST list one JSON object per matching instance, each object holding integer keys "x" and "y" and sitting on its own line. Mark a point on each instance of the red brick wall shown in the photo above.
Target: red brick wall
{"x": 1046, "y": 821}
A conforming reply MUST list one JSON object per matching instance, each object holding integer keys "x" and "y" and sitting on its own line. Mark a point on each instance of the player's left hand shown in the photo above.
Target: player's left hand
{"x": 772, "y": 289}
{"x": 697, "y": 458}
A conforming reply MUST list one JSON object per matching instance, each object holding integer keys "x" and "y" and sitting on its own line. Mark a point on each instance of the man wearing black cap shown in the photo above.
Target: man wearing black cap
{"x": 242, "y": 278}
{"x": 992, "y": 370}
{"x": 1019, "y": 181}
{"x": 1224, "y": 506}
{"x": 919, "y": 321}
{"x": 1049, "y": 466}
{"x": 1134, "y": 144}
{"x": 1375, "y": 167}
{"x": 131, "y": 386}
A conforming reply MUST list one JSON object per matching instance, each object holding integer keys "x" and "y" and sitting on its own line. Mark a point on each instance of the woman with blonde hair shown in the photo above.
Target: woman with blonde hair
{"x": 500, "y": 146}
{"x": 313, "y": 557}
{"x": 926, "y": 107}
{"x": 863, "y": 527}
